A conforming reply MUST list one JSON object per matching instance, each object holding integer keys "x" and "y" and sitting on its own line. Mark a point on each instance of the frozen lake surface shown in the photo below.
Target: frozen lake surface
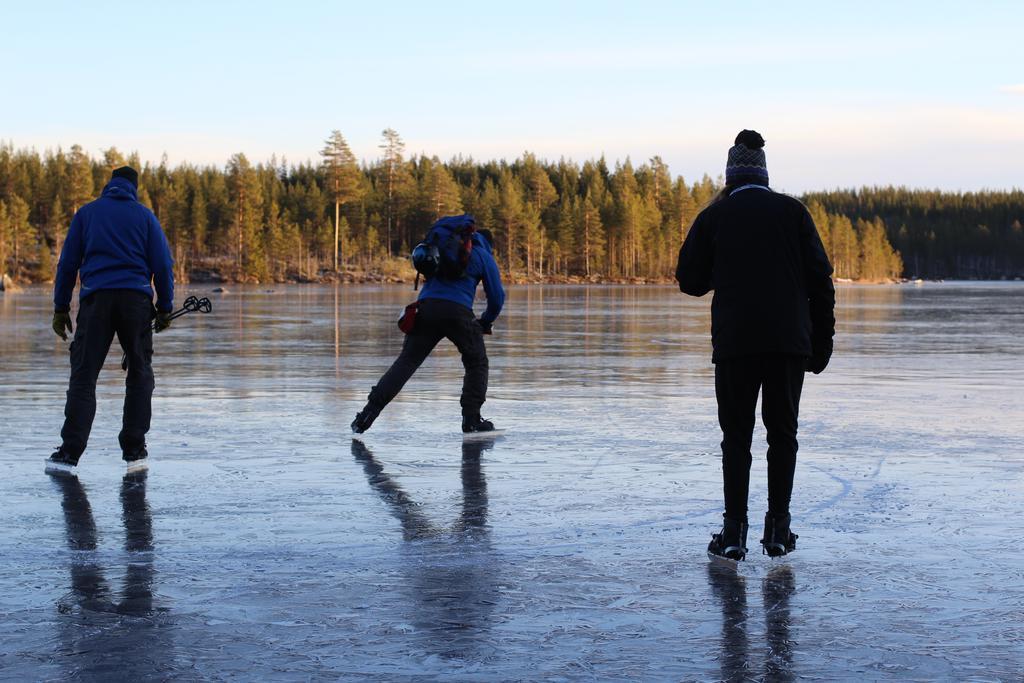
{"x": 265, "y": 543}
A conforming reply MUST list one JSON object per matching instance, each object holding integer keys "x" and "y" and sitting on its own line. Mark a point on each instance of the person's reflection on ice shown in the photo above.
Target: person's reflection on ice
{"x": 730, "y": 590}
{"x": 105, "y": 634}
{"x": 453, "y": 577}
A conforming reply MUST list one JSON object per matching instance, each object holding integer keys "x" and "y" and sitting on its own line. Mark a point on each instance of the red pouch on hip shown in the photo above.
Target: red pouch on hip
{"x": 407, "y": 321}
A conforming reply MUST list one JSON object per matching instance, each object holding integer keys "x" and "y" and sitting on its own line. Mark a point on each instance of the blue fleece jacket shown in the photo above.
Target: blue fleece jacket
{"x": 463, "y": 291}
{"x": 115, "y": 243}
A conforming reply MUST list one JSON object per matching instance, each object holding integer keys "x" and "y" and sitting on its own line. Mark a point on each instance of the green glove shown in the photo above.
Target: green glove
{"x": 162, "y": 321}
{"x": 61, "y": 322}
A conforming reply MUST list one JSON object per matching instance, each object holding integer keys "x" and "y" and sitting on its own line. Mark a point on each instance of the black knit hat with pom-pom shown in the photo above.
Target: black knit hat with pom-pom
{"x": 746, "y": 162}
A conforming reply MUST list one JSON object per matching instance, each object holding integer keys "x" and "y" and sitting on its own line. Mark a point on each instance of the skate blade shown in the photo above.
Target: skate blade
{"x": 724, "y": 561}
{"x": 60, "y": 468}
{"x": 476, "y": 436}
{"x": 137, "y": 466}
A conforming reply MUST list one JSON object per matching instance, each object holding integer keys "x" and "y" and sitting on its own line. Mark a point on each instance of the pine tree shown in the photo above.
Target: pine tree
{"x": 58, "y": 224}
{"x": 593, "y": 235}
{"x": 342, "y": 180}
{"x": 439, "y": 193}
{"x": 845, "y": 254}
{"x": 564, "y": 243}
{"x": 20, "y": 230}
{"x": 509, "y": 215}
{"x": 393, "y": 147}
{"x": 112, "y": 159}
{"x": 878, "y": 260}
{"x": 822, "y": 223}
{"x": 80, "y": 181}
{"x": 197, "y": 221}
{"x": 44, "y": 261}
{"x": 246, "y": 204}
{"x": 5, "y": 238}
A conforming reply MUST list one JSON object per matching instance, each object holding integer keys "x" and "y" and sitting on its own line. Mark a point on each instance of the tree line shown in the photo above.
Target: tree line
{"x": 274, "y": 221}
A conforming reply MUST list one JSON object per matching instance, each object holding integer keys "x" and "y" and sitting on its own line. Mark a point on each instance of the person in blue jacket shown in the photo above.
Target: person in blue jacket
{"x": 445, "y": 309}
{"x": 117, "y": 248}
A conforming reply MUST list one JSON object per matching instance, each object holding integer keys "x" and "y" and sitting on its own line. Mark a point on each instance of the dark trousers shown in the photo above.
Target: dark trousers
{"x": 779, "y": 378}
{"x": 129, "y": 315}
{"x": 437, "y": 319}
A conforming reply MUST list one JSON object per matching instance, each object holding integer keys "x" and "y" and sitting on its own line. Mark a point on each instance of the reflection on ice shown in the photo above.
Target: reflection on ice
{"x": 453, "y": 576}
{"x": 103, "y": 630}
{"x": 730, "y": 590}
{"x": 735, "y": 652}
{"x": 777, "y": 587}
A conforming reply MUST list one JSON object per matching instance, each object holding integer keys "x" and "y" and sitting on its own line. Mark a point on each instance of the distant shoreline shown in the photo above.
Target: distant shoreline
{"x": 224, "y": 286}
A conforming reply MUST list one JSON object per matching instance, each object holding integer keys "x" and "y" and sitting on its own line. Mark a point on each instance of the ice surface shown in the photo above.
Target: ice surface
{"x": 264, "y": 543}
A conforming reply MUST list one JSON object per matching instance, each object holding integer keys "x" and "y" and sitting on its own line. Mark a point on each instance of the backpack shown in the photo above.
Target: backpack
{"x": 446, "y": 249}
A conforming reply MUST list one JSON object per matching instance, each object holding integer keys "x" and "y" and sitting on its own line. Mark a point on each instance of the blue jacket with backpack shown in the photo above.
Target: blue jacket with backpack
{"x": 115, "y": 243}
{"x": 481, "y": 267}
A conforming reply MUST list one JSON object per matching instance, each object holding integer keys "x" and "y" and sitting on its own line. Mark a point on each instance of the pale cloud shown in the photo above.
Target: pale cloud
{"x": 1013, "y": 89}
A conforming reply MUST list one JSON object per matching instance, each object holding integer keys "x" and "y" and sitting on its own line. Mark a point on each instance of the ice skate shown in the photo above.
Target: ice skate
{"x": 61, "y": 463}
{"x": 137, "y": 460}
{"x": 364, "y": 419}
{"x": 778, "y": 539}
{"x": 478, "y": 428}
{"x": 729, "y": 547}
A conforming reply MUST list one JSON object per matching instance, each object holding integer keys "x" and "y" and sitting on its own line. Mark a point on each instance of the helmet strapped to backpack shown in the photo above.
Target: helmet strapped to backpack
{"x": 426, "y": 259}
{"x": 446, "y": 249}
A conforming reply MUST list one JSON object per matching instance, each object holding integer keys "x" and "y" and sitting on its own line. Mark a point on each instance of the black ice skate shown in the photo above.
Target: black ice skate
{"x": 778, "y": 539}
{"x": 364, "y": 418}
{"x": 476, "y": 424}
{"x": 730, "y": 545}
{"x": 477, "y": 427}
{"x": 61, "y": 463}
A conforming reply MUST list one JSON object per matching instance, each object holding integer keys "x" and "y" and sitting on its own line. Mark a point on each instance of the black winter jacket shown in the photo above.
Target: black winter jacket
{"x": 760, "y": 253}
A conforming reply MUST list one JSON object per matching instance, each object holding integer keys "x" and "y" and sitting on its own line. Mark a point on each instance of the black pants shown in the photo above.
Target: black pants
{"x": 129, "y": 315}
{"x": 780, "y": 379}
{"x": 437, "y": 319}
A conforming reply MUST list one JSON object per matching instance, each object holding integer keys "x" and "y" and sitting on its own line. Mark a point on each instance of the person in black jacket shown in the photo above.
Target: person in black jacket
{"x": 771, "y": 320}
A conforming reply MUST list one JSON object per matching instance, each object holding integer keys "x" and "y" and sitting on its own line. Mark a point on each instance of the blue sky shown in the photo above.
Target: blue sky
{"x": 845, "y": 93}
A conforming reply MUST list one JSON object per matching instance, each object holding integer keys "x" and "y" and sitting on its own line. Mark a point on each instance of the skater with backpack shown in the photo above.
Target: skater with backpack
{"x": 771, "y": 320}
{"x": 454, "y": 258}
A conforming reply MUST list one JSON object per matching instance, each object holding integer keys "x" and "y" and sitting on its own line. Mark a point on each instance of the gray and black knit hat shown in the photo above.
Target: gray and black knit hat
{"x": 746, "y": 163}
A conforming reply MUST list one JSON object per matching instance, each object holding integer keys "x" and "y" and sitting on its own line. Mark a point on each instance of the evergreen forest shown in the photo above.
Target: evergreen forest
{"x": 337, "y": 218}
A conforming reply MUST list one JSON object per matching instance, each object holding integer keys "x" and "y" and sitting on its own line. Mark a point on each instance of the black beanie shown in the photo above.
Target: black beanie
{"x": 128, "y": 173}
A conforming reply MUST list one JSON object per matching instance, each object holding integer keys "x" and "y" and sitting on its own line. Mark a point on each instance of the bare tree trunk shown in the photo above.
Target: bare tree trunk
{"x": 337, "y": 213}
{"x": 586, "y": 241}
{"x": 238, "y": 224}
{"x": 391, "y": 183}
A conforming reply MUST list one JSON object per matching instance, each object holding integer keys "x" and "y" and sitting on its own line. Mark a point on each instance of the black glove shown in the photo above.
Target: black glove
{"x": 486, "y": 327}
{"x": 819, "y": 358}
{"x": 62, "y": 322}
{"x": 162, "y": 321}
